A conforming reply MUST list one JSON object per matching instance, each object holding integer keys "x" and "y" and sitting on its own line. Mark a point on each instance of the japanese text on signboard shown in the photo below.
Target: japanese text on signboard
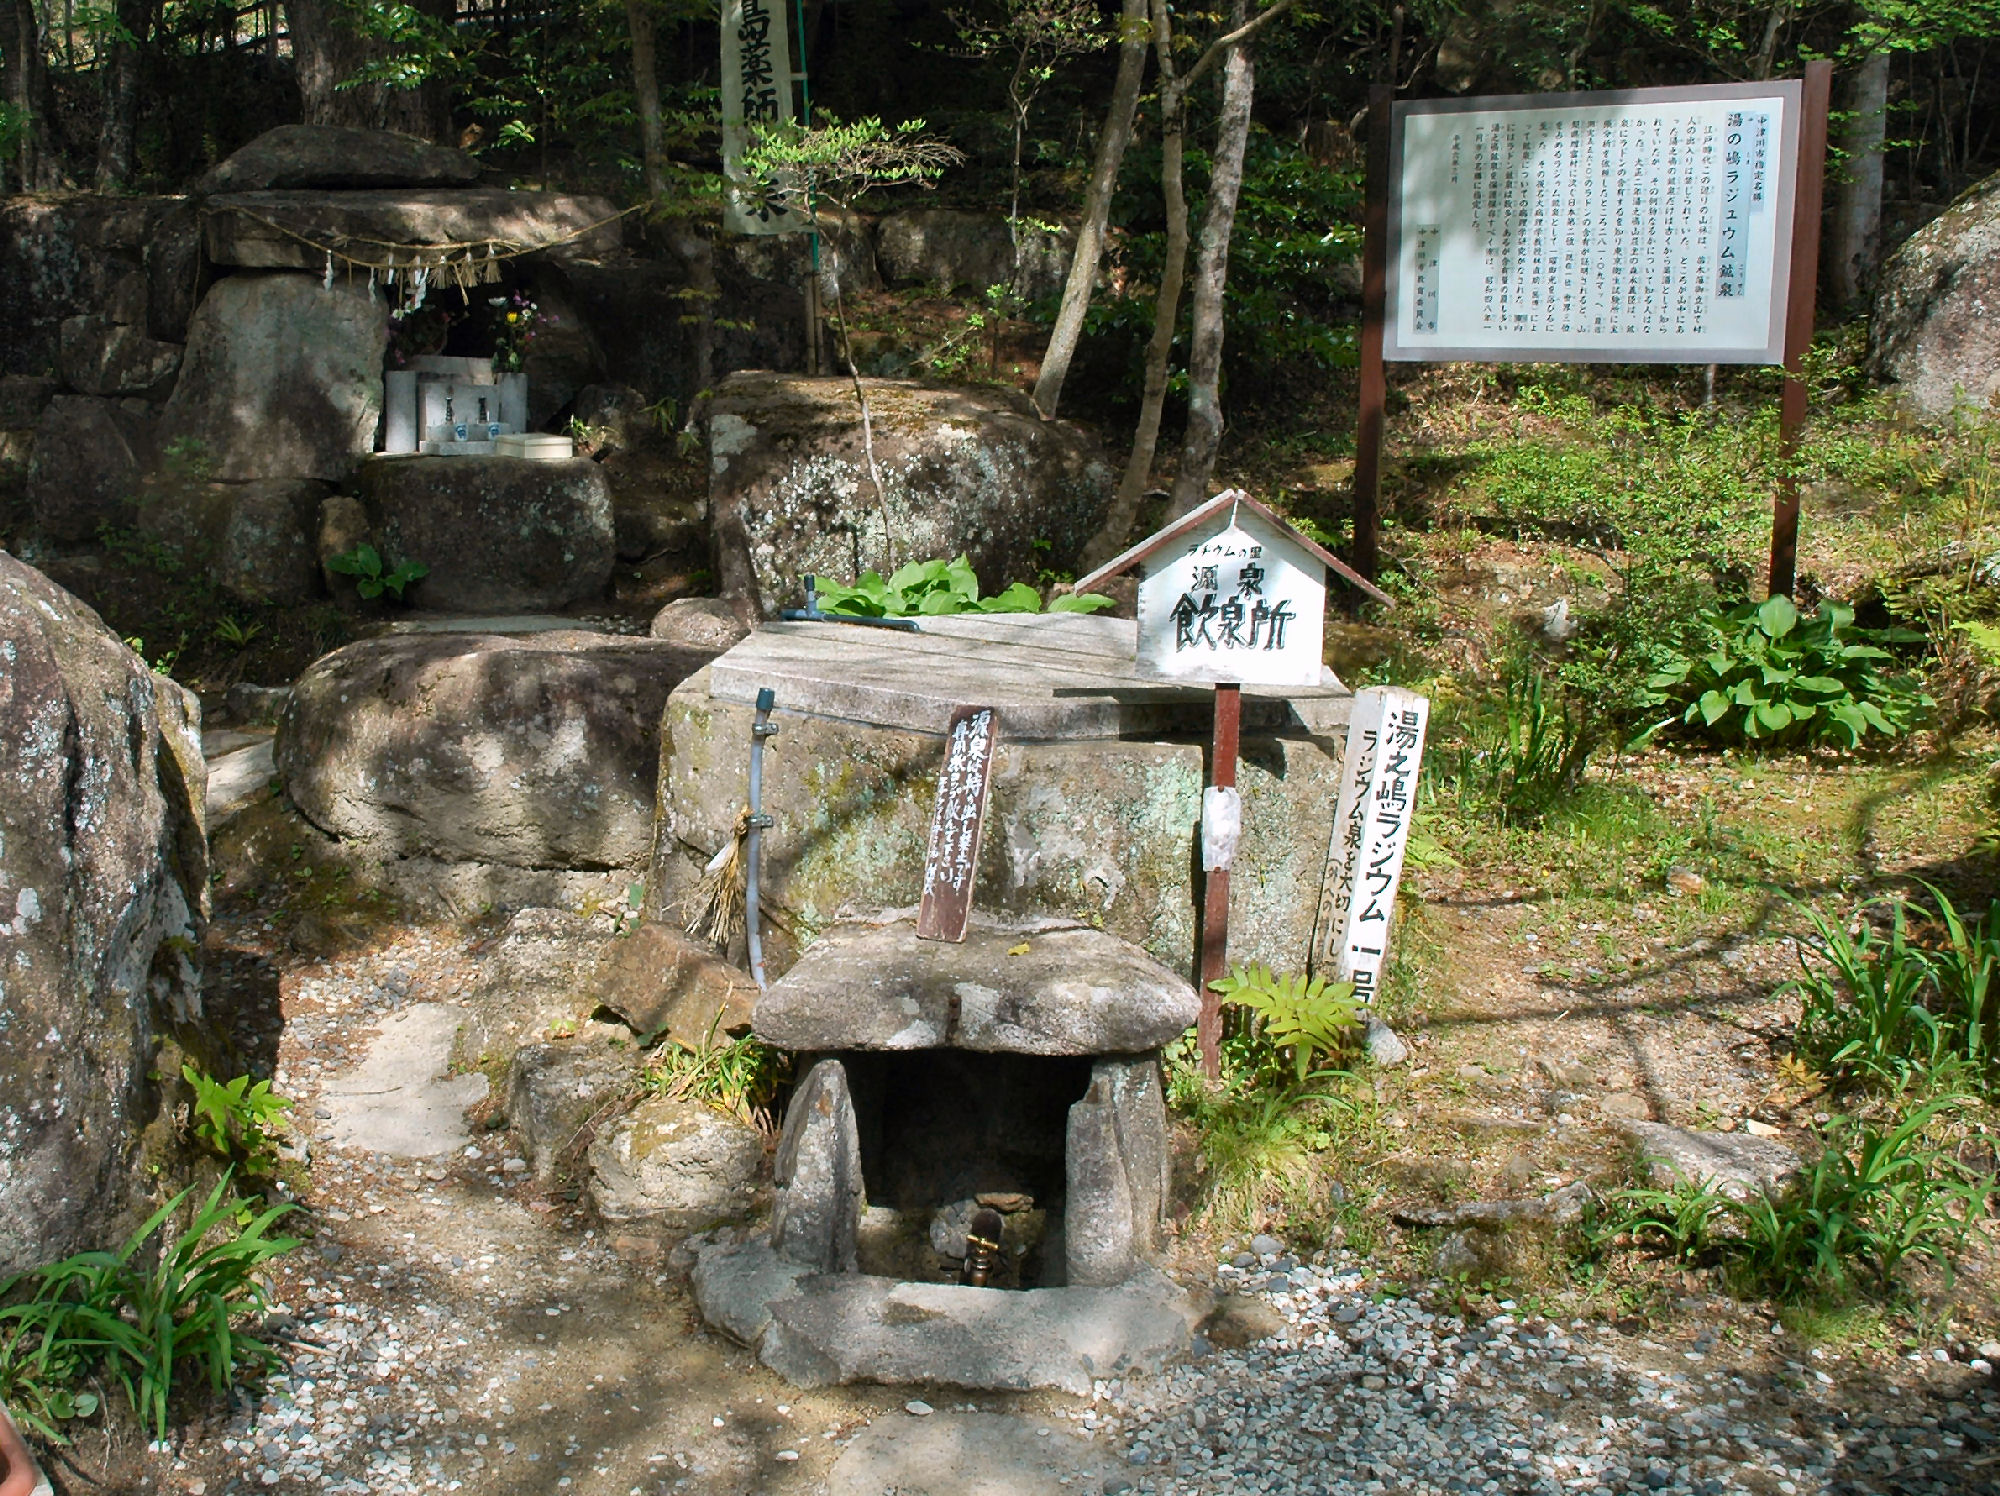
{"x": 1639, "y": 225}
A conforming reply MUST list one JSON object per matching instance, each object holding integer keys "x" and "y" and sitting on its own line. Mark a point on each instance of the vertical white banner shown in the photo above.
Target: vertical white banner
{"x": 1371, "y": 831}
{"x": 756, "y": 90}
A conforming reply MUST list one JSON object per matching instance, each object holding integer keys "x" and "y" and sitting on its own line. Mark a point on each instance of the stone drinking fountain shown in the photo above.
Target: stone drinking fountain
{"x": 1015, "y": 1075}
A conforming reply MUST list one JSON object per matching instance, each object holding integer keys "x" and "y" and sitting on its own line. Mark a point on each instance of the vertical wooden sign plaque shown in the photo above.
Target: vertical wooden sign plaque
{"x": 951, "y": 860}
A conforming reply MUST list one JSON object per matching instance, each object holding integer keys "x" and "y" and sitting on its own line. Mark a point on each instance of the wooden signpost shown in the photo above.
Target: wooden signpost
{"x": 951, "y": 857}
{"x": 1657, "y": 225}
{"x": 1229, "y": 594}
{"x": 1371, "y": 830}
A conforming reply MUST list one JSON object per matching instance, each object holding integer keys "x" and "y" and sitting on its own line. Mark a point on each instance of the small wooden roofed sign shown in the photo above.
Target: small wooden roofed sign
{"x": 1230, "y": 592}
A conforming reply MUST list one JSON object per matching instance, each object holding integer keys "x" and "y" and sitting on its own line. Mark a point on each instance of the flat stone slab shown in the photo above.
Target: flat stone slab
{"x": 1734, "y": 1162}
{"x": 237, "y": 778}
{"x": 826, "y": 1329}
{"x": 1050, "y": 676}
{"x": 1074, "y": 991}
{"x": 399, "y": 1100}
{"x": 970, "y": 1454}
{"x": 283, "y": 230}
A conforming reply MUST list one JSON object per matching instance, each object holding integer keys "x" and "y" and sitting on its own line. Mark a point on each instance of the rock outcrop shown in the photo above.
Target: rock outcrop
{"x": 91, "y": 457}
{"x": 338, "y": 156}
{"x": 536, "y": 752}
{"x": 498, "y": 534}
{"x": 103, "y": 890}
{"x": 282, "y": 379}
{"x": 1936, "y": 325}
{"x": 962, "y": 470}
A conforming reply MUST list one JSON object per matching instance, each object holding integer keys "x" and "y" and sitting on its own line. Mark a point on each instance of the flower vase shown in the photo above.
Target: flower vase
{"x": 399, "y": 411}
{"x": 514, "y": 402}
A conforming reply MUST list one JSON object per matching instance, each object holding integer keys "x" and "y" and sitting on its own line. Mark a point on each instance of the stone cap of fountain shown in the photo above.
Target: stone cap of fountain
{"x": 1045, "y": 989}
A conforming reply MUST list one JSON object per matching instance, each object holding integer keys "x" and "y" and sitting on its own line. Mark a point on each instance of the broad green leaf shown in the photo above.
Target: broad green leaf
{"x": 1777, "y": 616}
{"x": 1863, "y": 652}
{"x": 1776, "y": 676}
{"x": 1824, "y": 685}
{"x": 1082, "y": 602}
{"x": 1018, "y": 598}
{"x": 959, "y": 577}
{"x": 1875, "y": 718}
{"x": 1714, "y": 707}
{"x": 1774, "y": 716}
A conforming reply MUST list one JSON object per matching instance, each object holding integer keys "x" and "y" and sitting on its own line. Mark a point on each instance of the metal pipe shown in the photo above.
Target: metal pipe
{"x": 753, "y": 841}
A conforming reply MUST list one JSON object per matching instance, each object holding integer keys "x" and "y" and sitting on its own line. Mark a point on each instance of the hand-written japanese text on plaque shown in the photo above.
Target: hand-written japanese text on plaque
{"x": 756, "y": 90}
{"x": 1647, "y": 225}
{"x": 1233, "y": 605}
{"x": 951, "y": 858}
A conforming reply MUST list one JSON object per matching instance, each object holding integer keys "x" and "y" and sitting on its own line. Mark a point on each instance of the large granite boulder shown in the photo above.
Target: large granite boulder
{"x": 338, "y": 156}
{"x": 100, "y": 356}
{"x": 1051, "y": 991}
{"x": 498, "y": 534}
{"x": 945, "y": 247}
{"x": 91, "y": 458}
{"x": 282, "y": 378}
{"x": 1935, "y": 331}
{"x": 103, "y": 891}
{"x": 530, "y": 752}
{"x": 253, "y": 539}
{"x": 962, "y": 470}
{"x": 951, "y": 248}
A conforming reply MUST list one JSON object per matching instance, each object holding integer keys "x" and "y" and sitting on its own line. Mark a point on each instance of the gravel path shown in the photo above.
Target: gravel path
{"x": 1358, "y": 1394}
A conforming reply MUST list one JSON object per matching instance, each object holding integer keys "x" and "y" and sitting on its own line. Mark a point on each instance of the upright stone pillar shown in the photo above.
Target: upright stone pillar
{"x": 818, "y": 1214}
{"x": 1117, "y": 1172}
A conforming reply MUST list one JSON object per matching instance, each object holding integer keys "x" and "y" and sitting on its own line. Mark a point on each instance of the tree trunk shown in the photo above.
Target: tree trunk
{"x": 646, "y": 94}
{"x": 121, "y": 95}
{"x": 1855, "y": 233}
{"x": 327, "y": 51}
{"x": 36, "y": 165}
{"x": 1232, "y": 136}
{"x": 1063, "y": 337}
{"x": 1110, "y": 537}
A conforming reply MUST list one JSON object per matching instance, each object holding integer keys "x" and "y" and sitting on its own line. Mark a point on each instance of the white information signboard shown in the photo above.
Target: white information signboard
{"x": 1646, "y": 226}
{"x": 1371, "y": 831}
{"x": 1234, "y": 599}
{"x": 756, "y": 89}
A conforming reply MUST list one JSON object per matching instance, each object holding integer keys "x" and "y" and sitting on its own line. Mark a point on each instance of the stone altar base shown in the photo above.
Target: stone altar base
{"x": 820, "y": 1329}
{"x": 1096, "y": 800}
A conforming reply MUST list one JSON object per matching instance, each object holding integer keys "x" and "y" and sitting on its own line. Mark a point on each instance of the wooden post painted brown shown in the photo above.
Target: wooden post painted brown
{"x": 1804, "y": 295}
{"x": 1374, "y": 295}
{"x": 1215, "y": 885}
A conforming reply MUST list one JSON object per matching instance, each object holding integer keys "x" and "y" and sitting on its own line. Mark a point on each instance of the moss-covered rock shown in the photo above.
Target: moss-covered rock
{"x": 103, "y": 895}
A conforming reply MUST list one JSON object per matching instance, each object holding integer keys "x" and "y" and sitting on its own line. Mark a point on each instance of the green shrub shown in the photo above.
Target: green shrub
{"x": 930, "y": 589}
{"x": 1529, "y": 759}
{"x": 1770, "y": 676}
{"x": 1878, "y": 1195}
{"x": 364, "y": 563}
{"x": 1888, "y": 1011}
{"x": 144, "y": 1328}
{"x": 1292, "y": 1018}
{"x": 237, "y": 1118}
